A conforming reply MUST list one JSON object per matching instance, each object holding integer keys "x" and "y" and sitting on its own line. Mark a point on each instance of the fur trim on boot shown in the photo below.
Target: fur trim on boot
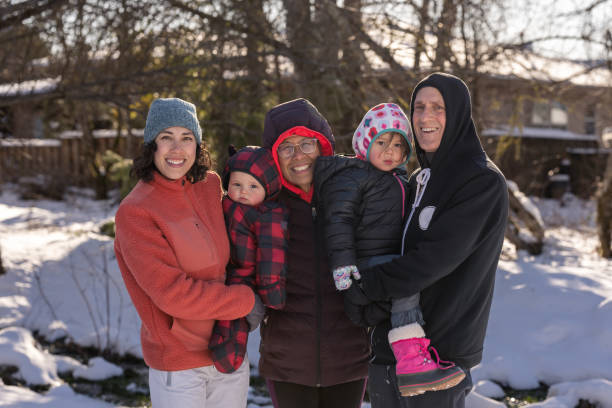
{"x": 405, "y": 332}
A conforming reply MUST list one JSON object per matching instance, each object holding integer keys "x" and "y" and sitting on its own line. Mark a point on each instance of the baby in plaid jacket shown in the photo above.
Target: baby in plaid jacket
{"x": 257, "y": 229}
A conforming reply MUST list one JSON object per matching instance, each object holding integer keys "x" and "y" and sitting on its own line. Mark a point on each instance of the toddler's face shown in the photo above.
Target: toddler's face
{"x": 387, "y": 151}
{"x": 245, "y": 189}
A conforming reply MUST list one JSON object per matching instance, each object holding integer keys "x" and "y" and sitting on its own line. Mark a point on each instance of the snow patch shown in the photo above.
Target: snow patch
{"x": 98, "y": 369}
{"x": 18, "y": 348}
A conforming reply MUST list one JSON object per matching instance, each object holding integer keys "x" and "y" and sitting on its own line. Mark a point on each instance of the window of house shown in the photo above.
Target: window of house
{"x": 558, "y": 114}
{"x": 540, "y": 113}
{"x": 549, "y": 113}
{"x": 589, "y": 121}
{"x": 38, "y": 128}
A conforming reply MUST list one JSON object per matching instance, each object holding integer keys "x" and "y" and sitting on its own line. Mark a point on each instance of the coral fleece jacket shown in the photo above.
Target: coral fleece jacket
{"x": 172, "y": 249}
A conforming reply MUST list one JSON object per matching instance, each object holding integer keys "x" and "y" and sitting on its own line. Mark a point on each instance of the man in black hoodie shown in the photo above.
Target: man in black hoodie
{"x": 451, "y": 243}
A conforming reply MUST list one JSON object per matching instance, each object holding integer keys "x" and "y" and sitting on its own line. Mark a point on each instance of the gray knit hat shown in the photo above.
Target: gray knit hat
{"x": 169, "y": 112}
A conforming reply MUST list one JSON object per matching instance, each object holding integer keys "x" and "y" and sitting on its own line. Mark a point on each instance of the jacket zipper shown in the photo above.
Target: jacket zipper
{"x": 403, "y": 194}
{"x": 203, "y": 227}
{"x": 318, "y": 293}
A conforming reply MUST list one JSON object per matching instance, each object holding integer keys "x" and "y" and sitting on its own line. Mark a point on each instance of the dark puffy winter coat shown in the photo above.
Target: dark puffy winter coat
{"x": 311, "y": 341}
{"x": 453, "y": 240}
{"x": 363, "y": 209}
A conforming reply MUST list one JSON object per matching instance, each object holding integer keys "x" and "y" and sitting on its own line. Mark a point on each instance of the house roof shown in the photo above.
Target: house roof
{"x": 99, "y": 133}
{"x": 32, "y": 87}
{"x": 528, "y": 65}
{"x": 538, "y": 133}
{"x": 11, "y": 142}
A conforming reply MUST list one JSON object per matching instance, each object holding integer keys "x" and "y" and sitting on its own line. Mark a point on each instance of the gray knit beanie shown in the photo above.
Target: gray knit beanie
{"x": 169, "y": 112}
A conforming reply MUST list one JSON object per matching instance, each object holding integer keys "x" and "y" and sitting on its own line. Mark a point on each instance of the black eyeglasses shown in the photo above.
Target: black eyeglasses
{"x": 287, "y": 150}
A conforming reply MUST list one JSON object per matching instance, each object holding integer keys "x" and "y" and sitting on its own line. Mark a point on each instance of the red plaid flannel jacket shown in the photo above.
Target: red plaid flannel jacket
{"x": 258, "y": 244}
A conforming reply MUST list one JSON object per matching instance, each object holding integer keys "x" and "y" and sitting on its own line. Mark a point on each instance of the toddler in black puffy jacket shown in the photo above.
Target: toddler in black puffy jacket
{"x": 363, "y": 200}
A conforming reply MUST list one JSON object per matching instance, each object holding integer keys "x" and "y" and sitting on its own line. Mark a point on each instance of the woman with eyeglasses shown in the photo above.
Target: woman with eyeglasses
{"x": 312, "y": 356}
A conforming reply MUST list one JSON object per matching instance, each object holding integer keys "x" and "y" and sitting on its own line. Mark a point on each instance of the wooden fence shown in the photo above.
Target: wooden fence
{"x": 62, "y": 157}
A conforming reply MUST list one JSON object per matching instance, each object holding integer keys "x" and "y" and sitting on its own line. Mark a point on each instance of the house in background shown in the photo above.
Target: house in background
{"x": 32, "y": 141}
{"x": 541, "y": 117}
{"x": 537, "y": 117}
{"x": 22, "y": 107}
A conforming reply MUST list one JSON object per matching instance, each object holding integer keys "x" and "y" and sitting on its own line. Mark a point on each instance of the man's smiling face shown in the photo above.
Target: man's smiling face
{"x": 429, "y": 118}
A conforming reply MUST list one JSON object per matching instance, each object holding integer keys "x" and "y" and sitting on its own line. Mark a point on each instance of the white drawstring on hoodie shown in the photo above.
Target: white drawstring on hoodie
{"x": 422, "y": 178}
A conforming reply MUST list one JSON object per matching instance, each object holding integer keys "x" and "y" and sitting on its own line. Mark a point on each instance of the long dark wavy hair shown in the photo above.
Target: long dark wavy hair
{"x": 144, "y": 166}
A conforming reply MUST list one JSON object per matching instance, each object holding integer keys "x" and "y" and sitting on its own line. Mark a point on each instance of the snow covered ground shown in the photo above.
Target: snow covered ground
{"x": 551, "y": 320}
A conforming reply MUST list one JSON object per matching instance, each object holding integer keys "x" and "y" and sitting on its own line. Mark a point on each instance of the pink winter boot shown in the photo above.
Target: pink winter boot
{"x": 416, "y": 371}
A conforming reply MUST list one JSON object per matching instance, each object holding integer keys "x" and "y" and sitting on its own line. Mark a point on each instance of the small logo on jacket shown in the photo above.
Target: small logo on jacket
{"x": 425, "y": 217}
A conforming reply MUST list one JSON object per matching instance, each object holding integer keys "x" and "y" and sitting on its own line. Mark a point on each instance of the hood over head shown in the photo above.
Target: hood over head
{"x": 298, "y": 112}
{"x": 459, "y": 137}
{"x": 257, "y": 162}
{"x": 296, "y": 117}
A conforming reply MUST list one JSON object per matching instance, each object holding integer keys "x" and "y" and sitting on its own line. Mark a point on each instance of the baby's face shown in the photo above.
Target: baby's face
{"x": 245, "y": 189}
{"x": 387, "y": 151}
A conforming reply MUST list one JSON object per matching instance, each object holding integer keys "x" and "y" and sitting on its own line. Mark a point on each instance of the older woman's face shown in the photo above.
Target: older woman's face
{"x": 429, "y": 118}
{"x": 298, "y": 168}
{"x": 176, "y": 152}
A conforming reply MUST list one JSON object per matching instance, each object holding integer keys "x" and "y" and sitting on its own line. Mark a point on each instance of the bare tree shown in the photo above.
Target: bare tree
{"x": 237, "y": 58}
{"x": 604, "y": 195}
{"x": 604, "y": 212}
{"x": 2, "y": 271}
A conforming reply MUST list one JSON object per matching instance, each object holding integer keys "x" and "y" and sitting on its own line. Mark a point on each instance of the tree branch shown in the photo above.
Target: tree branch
{"x": 16, "y": 13}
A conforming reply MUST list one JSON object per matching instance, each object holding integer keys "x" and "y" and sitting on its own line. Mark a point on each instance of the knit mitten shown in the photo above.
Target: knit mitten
{"x": 342, "y": 276}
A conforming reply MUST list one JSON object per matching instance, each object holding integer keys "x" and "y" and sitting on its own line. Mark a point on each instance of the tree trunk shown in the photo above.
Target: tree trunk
{"x": 604, "y": 211}
{"x": 299, "y": 33}
{"x": 252, "y": 13}
{"x": 444, "y": 33}
{"x": 2, "y": 271}
{"x": 519, "y": 218}
{"x": 92, "y": 160}
{"x": 342, "y": 92}
{"x": 424, "y": 21}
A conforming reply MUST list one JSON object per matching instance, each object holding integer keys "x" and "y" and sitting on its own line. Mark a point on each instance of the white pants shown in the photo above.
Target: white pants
{"x": 203, "y": 387}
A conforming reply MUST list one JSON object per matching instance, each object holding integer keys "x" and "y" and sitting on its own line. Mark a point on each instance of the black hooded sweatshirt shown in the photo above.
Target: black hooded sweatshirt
{"x": 453, "y": 240}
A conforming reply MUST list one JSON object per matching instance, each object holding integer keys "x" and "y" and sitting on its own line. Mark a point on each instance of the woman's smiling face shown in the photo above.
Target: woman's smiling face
{"x": 298, "y": 169}
{"x": 176, "y": 152}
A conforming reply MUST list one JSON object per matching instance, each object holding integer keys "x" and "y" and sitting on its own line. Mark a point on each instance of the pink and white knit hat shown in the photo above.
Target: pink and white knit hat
{"x": 384, "y": 117}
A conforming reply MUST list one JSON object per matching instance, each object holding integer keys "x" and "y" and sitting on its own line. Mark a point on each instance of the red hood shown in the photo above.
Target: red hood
{"x": 326, "y": 150}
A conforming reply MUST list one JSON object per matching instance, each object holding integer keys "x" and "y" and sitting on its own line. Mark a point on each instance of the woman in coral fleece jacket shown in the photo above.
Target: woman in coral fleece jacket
{"x": 172, "y": 249}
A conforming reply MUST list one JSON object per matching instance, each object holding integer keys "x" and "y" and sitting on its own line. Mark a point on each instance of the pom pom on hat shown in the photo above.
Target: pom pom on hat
{"x": 231, "y": 150}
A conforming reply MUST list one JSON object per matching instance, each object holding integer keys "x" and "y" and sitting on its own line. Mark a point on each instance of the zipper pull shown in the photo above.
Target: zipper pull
{"x": 314, "y": 213}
